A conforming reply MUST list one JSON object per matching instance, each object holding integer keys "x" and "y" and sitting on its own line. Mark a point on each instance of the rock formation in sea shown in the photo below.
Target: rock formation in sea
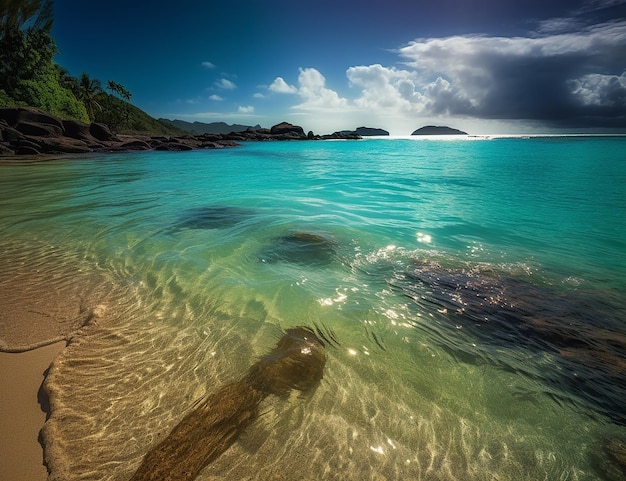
{"x": 370, "y": 131}
{"x": 301, "y": 247}
{"x": 29, "y": 131}
{"x": 212, "y": 217}
{"x": 438, "y": 130}
{"x": 288, "y": 131}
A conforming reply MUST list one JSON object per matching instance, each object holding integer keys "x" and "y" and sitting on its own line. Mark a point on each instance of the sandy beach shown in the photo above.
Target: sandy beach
{"x": 42, "y": 305}
{"x": 21, "y": 376}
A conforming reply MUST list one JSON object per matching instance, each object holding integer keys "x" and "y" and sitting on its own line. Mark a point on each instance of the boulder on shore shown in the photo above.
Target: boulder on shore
{"x": 77, "y": 130}
{"x": 37, "y": 129}
{"x": 286, "y": 128}
{"x": 101, "y": 132}
{"x": 30, "y": 115}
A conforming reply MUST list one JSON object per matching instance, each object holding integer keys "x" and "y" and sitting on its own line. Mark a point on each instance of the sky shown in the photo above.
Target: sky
{"x": 483, "y": 66}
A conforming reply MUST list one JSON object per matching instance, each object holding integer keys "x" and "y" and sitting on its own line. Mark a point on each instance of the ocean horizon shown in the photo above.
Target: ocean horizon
{"x": 471, "y": 292}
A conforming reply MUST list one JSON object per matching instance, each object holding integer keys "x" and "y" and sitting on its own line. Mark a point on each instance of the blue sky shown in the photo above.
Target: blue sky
{"x": 484, "y": 66}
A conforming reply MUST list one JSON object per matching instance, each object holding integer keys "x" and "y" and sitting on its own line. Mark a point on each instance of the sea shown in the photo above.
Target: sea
{"x": 470, "y": 293}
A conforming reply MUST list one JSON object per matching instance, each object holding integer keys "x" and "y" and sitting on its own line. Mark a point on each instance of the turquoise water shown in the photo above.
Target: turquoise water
{"x": 475, "y": 288}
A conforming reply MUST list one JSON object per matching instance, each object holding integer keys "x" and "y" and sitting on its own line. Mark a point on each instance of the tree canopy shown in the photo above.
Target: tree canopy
{"x": 22, "y": 14}
{"x": 28, "y": 75}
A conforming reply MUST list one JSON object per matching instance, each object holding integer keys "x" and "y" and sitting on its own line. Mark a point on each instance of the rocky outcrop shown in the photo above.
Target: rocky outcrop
{"x": 102, "y": 132}
{"x": 288, "y": 131}
{"x": 343, "y": 135}
{"x": 370, "y": 131}
{"x": 36, "y": 129}
{"x": 28, "y": 131}
{"x": 438, "y": 130}
{"x": 77, "y": 130}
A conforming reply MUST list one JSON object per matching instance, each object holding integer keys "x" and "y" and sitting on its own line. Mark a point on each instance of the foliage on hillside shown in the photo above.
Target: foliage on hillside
{"x": 27, "y": 74}
{"x": 29, "y": 77}
{"x": 126, "y": 118}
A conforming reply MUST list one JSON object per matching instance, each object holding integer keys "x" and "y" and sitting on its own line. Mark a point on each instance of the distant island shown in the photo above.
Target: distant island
{"x": 438, "y": 130}
{"x": 370, "y": 131}
{"x": 210, "y": 128}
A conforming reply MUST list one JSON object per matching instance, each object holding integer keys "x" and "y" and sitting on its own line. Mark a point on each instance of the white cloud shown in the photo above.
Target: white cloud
{"x": 517, "y": 77}
{"x": 312, "y": 89}
{"x": 280, "y": 86}
{"x": 225, "y": 84}
{"x": 245, "y": 110}
{"x": 258, "y": 95}
{"x": 386, "y": 88}
{"x": 215, "y": 97}
{"x": 391, "y": 89}
{"x": 208, "y": 65}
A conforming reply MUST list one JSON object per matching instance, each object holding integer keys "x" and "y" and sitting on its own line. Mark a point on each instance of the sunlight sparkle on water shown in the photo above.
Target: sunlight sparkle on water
{"x": 424, "y": 238}
{"x": 329, "y": 301}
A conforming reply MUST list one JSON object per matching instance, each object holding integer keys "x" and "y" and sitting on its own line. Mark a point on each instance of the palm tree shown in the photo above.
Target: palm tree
{"x": 67, "y": 81}
{"x": 21, "y": 14}
{"x": 119, "y": 89}
{"x": 88, "y": 92}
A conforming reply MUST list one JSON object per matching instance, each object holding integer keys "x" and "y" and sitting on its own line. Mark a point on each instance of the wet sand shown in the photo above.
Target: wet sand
{"x": 42, "y": 305}
{"x": 21, "y": 376}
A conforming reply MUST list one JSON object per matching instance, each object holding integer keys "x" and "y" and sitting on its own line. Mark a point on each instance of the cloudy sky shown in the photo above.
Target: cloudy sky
{"x": 484, "y": 66}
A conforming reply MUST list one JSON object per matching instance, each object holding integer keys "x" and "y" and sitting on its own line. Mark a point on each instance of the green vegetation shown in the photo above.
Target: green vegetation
{"x": 29, "y": 77}
{"x": 27, "y": 74}
{"x": 126, "y": 118}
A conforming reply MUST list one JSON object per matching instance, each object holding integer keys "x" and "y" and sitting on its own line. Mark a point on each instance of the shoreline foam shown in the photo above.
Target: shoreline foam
{"x": 24, "y": 410}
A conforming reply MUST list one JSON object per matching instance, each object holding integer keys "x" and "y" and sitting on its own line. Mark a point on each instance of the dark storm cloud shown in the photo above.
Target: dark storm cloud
{"x": 567, "y": 78}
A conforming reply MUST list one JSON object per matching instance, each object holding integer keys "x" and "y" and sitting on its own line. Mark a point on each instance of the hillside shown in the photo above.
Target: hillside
{"x": 125, "y": 118}
{"x": 208, "y": 128}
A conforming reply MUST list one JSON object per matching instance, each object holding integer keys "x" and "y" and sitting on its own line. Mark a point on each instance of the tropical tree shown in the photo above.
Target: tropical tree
{"x": 26, "y": 48}
{"x": 66, "y": 80}
{"x": 119, "y": 90}
{"x": 89, "y": 90}
{"x": 23, "y": 14}
{"x": 119, "y": 110}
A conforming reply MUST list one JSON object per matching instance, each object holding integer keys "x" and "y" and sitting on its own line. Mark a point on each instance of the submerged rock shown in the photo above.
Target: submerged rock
{"x": 296, "y": 363}
{"x": 302, "y": 247}
{"x": 213, "y": 217}
{"x": 487, "y": 312}
{"x": 608, "y": 458}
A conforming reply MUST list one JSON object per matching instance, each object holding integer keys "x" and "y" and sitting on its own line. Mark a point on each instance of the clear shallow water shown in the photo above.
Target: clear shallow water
{"x": 476, "y": 290}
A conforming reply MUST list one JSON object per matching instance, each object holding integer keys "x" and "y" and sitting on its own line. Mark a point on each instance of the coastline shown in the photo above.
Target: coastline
{"x": 24, "y": 410}
{"x": 27, "y": 131}
{"x": 39, "y": 313}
